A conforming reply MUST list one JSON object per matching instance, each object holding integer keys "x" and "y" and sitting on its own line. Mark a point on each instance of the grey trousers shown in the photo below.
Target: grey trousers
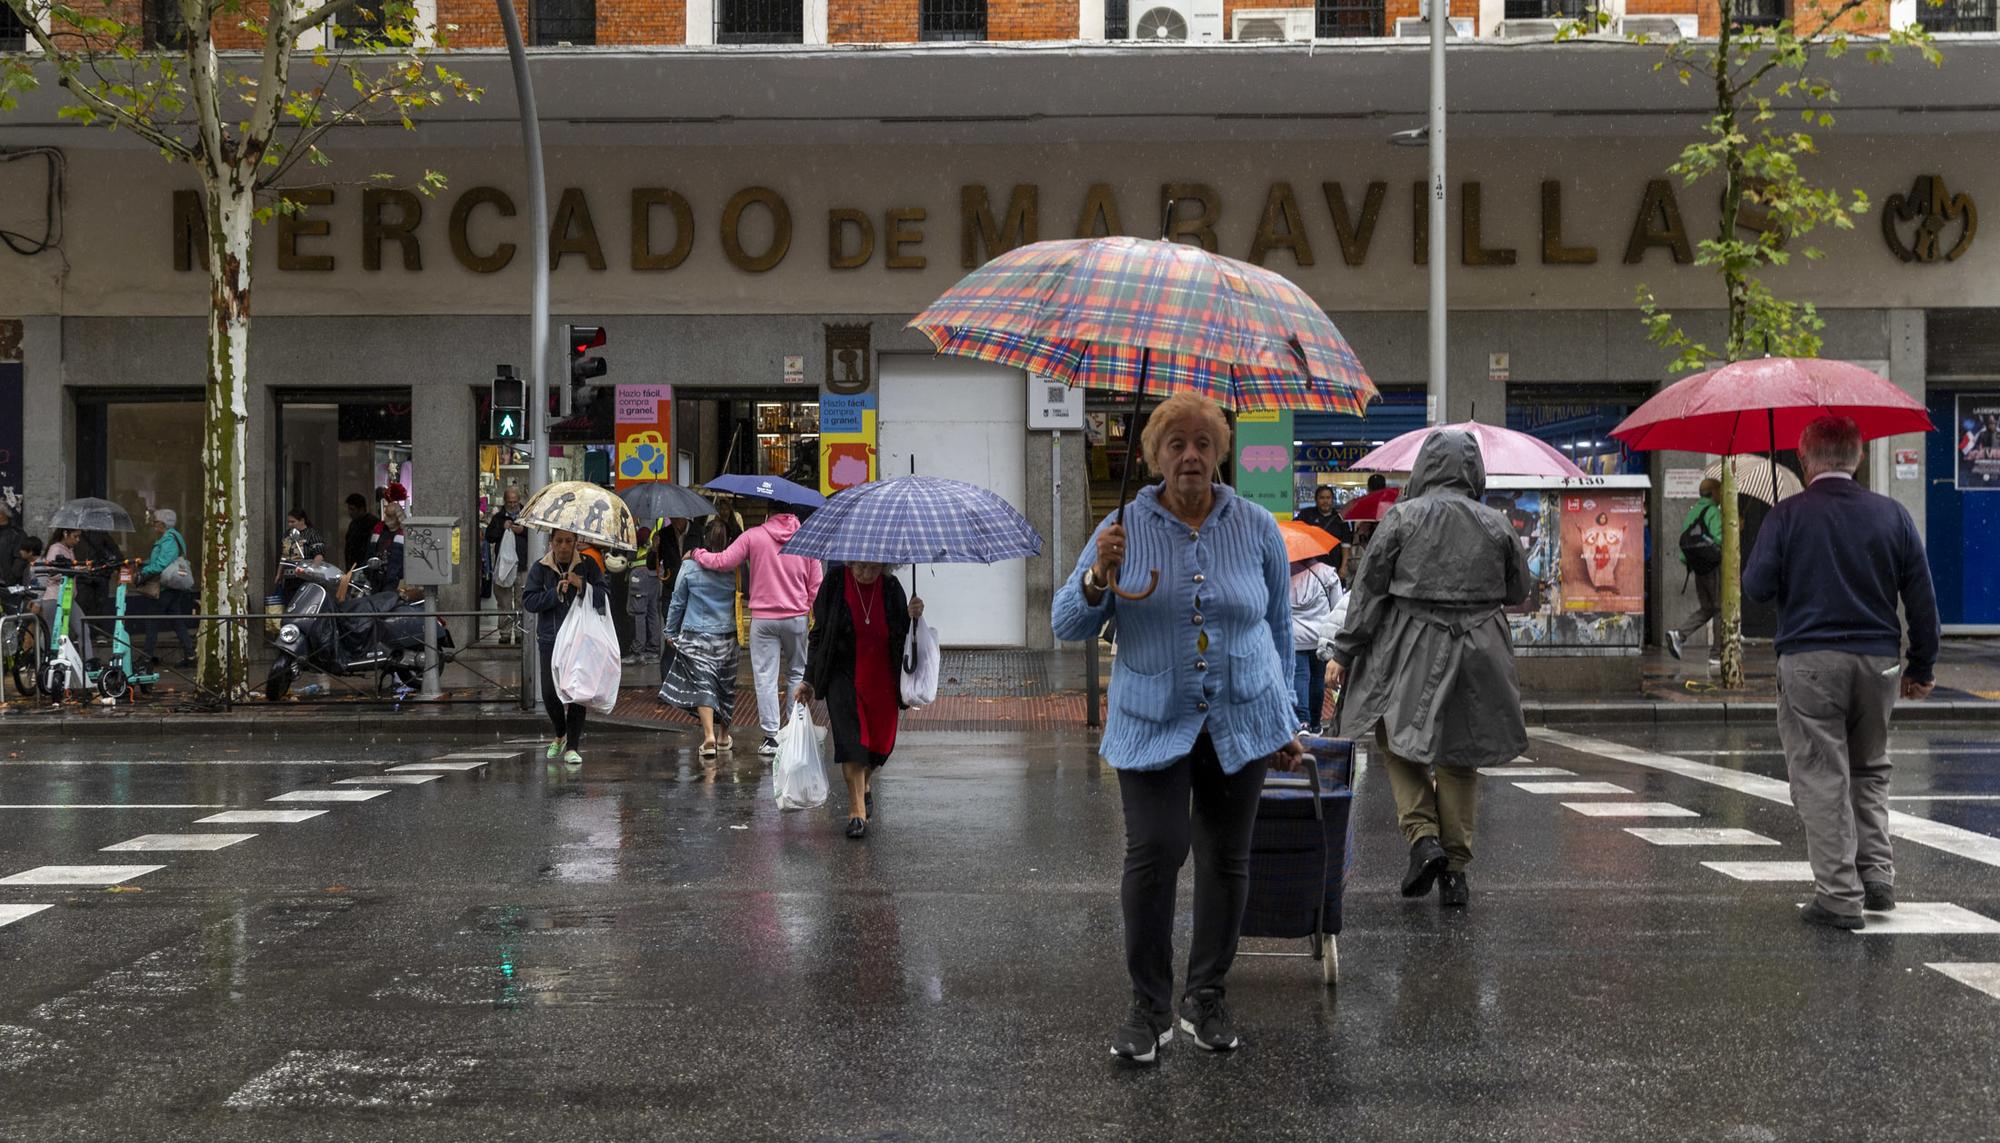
{"x": 1833, "y": 717}
{"x": 767, "y": 638}
{"x": 1708, "y": 592}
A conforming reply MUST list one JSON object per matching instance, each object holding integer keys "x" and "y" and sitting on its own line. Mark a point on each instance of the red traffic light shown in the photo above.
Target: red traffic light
{"x": 585, "y": 337}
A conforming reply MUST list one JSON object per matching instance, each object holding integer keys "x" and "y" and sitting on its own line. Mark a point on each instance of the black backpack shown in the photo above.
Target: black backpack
{"x": 1700, "y": 551}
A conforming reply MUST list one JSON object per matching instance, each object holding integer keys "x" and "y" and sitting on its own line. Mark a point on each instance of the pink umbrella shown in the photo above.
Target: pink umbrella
{"x": 1748, "y": 406}
{"x": 1506, "y": 452}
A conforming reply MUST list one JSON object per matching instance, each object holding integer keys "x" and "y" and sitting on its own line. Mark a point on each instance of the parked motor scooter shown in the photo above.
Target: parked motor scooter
{"x": 376, "y": 631}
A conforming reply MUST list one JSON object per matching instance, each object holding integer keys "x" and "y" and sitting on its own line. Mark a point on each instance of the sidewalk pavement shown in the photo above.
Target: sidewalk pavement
{"x": 978, "y": 690}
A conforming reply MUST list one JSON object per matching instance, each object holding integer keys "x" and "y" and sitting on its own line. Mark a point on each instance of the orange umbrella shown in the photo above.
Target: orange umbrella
{"x": 1305, "y": 542}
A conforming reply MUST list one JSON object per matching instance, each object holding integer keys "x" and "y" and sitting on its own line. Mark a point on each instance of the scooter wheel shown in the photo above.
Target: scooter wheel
{"x": 279, "y": 681}
{"x": 54, "y": 682}
{"x": 112, "y": 684}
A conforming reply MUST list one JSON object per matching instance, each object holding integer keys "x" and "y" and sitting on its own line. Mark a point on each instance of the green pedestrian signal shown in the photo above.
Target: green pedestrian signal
{"x": 509, "y": 403}
{"x": 506, "y": 424}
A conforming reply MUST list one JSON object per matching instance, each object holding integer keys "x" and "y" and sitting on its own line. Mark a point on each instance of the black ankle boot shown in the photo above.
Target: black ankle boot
{"x": 1453, "y": 892}
{"x": 1426, "y": 862}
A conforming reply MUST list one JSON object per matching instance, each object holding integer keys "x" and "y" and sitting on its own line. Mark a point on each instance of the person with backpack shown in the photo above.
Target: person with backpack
{"x": 1701, "y": 551}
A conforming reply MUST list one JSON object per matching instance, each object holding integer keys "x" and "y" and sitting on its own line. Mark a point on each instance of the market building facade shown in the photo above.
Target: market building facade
{"x": 754, "y": 227}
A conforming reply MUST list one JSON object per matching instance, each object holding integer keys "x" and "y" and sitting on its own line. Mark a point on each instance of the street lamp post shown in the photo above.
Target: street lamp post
{"x": 1440, "y": 244}
{"x": 538, "y": 428}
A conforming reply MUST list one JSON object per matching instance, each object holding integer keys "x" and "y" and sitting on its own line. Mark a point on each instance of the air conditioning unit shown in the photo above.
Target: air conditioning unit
{"x": 1413, "y": 28}
{"x": 1273, "y": 24}
{"x": 1664, "y": 29}
{"x": 1184, "y": 21}
{"x": 1531, "y": 29}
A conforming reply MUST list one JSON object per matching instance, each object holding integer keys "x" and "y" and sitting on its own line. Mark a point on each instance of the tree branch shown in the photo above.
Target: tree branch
{"x": 67, "y": 67}
{"x": 320, "y": 15}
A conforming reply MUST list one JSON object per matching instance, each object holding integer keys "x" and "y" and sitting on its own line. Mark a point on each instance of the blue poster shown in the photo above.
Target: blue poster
{"x": 845, "y": 412}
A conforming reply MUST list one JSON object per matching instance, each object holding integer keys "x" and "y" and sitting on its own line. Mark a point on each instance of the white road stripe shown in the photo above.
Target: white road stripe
{"x": 484, "y": 755}
{"x": 182, "y": 842}
{"x": 11, "y": 913}
{"x": 1944, "y": 797}
{"x": 119, "y": 806}
{"x": 79, "y": 874}
{"x": 1526, "y": 772}
{"x": 390, "y": 780}
{"x": 1939, "y": 836}
{"x": 1940, "y": 748}
{"x": 1701, "y": 836}
{"x": 1631, "y": 810}
{"x": 11, "y": 763}
{"x": 1571, "y": 788}
{"x": 451, "y": 767}
{"x": 1929, "y": 917}
{"x": 1984, "y": 977}
{"x": 328, "y": 796}
{"x": 1764, "y": 870}
{"x": 260, "y": 817}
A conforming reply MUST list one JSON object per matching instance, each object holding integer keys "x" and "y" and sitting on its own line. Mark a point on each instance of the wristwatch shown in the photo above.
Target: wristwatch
{"x": 1091, "y": 581}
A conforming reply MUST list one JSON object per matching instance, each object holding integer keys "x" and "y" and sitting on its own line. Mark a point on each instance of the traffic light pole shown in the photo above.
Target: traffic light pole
{"x": 537, "y": 434}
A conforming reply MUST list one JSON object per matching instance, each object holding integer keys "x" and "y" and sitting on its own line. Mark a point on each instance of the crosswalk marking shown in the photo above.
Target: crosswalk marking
{"x": 185, "y": 842}
{"x": 328, "y": 796}
{"x": 79, "y": 874}
{"x": 1571, "y": 787}
{"x": 390, "y": 780}
{"x": 1700, "y": 836}
{"x": 115, "y": 806}
{"x": 449, "y": 767}
{"x": 11, "y": 913}
{"x": 259, "y": 817}
{"x": 1983, "y": 976}
{"x": 1928, "y": 917}
{"x": 1526, "y": 772}
{"x": 1764, "y": 870}
{"x": 1631, "y": 810}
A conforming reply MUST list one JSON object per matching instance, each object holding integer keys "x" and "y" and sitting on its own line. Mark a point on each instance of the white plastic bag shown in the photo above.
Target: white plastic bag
{"x": 506, "y": 560}
{"x": 798, "y": 778}
{"x": 920, "y": 665}
{"x": 585, "y": 657}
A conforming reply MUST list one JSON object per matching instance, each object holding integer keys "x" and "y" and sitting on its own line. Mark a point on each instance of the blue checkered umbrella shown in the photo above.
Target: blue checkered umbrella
{"x": 916, "y": 520}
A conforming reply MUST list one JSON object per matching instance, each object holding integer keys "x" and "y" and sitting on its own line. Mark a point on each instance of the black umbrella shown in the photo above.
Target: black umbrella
{"x": 665, "y": 500}
{"x": 92, "y": 514}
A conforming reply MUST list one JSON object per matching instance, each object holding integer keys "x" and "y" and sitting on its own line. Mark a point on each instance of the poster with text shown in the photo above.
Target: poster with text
{"x": 1604, "y": 552}
{"x": 1264, "y": 461}
{"x": 645, "y": 415}
{"x": 1978, "y": 442}
{"x": 846, "y": 441}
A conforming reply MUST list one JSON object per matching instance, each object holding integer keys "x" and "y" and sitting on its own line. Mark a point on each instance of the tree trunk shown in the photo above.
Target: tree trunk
{"x": 1729, "y": 625}
{"x": 1730, "y": 622}
{"x": 223, "y": 669}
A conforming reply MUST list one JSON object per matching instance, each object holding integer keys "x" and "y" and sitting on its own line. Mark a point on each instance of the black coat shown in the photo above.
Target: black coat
{"x": 543, "y": 597}
{"x": 497, "y": 528}
{"x": 360, "y": 538}
{"x": 12, "y": 568}
{"x": 831, "y": 645}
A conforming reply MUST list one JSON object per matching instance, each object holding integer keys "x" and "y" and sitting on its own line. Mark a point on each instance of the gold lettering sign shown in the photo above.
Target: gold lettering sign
{"x": 644, "y": 257}
{"x": 1201, "y": 227}
{"x": 838, "y": 222}
{"x": 781, "y": 229}
{"x": 1554, "y": 253}
{"x": 1659, "y": 224}
{"x": 1354, "y": 237}
{"x": 1099, "y": 217}
{"x": 461, "y": 217}
{"x": 977, "y": 228}
{"x": 376, "y": 230}
{"x": 1282, "y": 228}
{"x": 190, "y": 230}
{"x": 898, "y": 232}
{"x": 295, "y": 223}
{"x": 1472, "y": 250}
{"x": 1933, "y": 209}
{"x": 573, "y": 213}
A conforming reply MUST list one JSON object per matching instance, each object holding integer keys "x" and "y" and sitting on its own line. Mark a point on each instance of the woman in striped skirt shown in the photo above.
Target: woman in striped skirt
{"x": 701, "y": 633}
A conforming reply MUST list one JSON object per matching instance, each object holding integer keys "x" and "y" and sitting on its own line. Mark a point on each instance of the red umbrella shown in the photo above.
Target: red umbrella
{"x": 1748, "y": 406}
{"x": 1506, "y": 452}
{"x": 1369, "y": 508}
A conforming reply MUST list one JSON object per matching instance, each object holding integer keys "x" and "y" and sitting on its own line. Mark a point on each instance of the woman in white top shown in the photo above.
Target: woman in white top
{"x": 1318, "y": 605}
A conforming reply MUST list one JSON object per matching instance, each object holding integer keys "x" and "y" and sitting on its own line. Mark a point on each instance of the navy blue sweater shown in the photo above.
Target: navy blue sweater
{"x": 1837, "y": 559}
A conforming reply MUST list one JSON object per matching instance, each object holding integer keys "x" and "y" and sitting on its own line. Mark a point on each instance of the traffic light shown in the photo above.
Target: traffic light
{"x": 578, "y": 341}
{"x": 510, "y": 401}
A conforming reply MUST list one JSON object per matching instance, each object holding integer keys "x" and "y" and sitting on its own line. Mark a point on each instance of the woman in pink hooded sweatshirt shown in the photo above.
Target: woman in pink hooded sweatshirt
{"x": 782, "y": 588}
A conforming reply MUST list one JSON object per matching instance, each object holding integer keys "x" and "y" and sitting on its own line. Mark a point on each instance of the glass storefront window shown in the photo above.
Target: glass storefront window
{"x": 144, "y": 452}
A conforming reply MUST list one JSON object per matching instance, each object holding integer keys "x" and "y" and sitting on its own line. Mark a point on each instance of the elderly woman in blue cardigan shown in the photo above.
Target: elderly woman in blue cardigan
{"x": 1200, "y": 705}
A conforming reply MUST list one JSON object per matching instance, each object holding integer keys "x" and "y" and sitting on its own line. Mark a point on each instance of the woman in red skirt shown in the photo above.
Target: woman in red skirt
{"x": 854, "y": 661}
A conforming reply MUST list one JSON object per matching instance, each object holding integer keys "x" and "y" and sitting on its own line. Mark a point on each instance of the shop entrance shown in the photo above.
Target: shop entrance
{"x": 337, "y": 443}
{"x": 142, "y": 449}
{"x": 1326, "y": 445}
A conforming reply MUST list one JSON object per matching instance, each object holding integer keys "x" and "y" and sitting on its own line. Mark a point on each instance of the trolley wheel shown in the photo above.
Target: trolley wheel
{"x": 1329, "y": 959}
{"x": 113, "y": 684}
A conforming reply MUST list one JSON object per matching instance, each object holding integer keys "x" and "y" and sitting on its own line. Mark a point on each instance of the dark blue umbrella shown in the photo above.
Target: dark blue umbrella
{"x": 776, "y": 489}
{"x": 916, "y": 520}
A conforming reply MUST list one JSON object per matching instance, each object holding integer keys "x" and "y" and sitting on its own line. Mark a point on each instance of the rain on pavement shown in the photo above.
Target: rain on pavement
{"x": 649, "y": 949}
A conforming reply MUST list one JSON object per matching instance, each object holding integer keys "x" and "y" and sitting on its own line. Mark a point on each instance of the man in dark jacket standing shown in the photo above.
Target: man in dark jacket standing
{"x": 1324, "y": 516}
{"x": 503, "y": 529}
{"x": 360, "y": 530}
{"x": 12, "y": 567}
{"x": 1838, "y": 559}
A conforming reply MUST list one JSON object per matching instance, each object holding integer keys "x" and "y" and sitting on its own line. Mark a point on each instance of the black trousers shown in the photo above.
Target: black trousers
{"x": 1159, "y": 832}
{"x": 567, "y": 720}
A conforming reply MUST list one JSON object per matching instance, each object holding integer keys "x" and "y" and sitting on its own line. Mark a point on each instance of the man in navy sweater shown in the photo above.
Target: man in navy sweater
{"x": 1838, "y": 559}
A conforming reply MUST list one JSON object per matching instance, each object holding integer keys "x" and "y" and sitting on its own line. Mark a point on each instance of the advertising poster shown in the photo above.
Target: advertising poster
{"x": 1604, "y": 552}
{"x": 1978, "y": 442}
{"x": 1264, "y": 461}
{"x": 846, "y": 441}
{"x": 645, "y": 434}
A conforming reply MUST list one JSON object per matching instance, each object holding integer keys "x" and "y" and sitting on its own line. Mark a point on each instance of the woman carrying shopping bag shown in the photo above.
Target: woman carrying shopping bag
{"x": 555, "y": 584}
{"x": 854, "y": 660}
{"x": 701, "y": 638}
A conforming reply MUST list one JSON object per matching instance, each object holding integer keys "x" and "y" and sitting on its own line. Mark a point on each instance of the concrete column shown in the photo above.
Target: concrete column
{"x": 1907, "y": 358}
{"x": 447, "y": 484}
{"x": 47, "y": 470}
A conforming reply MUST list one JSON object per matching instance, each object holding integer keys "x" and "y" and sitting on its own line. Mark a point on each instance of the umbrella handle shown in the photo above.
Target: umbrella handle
{"x": 1152, "y": 585}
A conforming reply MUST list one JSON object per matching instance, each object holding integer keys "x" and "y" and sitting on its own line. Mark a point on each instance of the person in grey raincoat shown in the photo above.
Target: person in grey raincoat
{"x": 1428, "y": 659}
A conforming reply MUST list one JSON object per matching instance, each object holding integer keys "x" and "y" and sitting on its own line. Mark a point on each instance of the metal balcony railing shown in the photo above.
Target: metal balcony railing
{"x": 1548, "y": 9}
{"x": 760, "y": 22}
{"x": 951, "y": 20}
{"x": 1335, "y": 19}
{"x": 565, "y": 22}
{"x": 1957, "y": 16}
{"x": 1757, "y": 13}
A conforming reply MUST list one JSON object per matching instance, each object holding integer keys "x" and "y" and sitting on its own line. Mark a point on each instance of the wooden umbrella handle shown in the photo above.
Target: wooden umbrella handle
{"x": 1152, "y": 585}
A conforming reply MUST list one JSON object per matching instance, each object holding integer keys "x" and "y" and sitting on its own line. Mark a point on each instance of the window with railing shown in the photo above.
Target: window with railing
{"x": 1339, "y": 18}
{"x": 13, "y": 33}
{"x": 1548, "y": 9}
{"x": 1757, "y": 13}
{"x": 163, "y": 24}
{"x": 365, "y": 20}
{"x": 564, "y": 22}
{"x": 951, "y": 19}
{"x": 1117, "y": 19}
{"x": 1957, "y": 16}
{"x": 760, "y": 22}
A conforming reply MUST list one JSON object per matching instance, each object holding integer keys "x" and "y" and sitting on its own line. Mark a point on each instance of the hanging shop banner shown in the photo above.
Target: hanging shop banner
{"x": 1978, "y": 442}
{"x": 645, "y": 434}
{"x": 1604, "y": 552}
{"x": 846, "y": 440}
{"x": 1264, "y": 461}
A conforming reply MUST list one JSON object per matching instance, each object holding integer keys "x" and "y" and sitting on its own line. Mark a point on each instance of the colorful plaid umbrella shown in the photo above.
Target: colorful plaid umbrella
{"x": 916, "y": 520}
{"x": 1141, "y": 316}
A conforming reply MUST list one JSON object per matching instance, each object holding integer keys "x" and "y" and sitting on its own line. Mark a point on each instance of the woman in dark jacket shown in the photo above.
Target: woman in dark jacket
{"x": 555, "y": 584}
{"x": 854, "y": 660}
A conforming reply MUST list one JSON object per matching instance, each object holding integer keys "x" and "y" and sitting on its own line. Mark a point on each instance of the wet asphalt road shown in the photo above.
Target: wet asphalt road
{"x": 650, "y": 950}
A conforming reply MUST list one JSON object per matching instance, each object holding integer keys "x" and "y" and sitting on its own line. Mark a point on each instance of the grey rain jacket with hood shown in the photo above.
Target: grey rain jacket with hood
{"x": 1426, "y": 644}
